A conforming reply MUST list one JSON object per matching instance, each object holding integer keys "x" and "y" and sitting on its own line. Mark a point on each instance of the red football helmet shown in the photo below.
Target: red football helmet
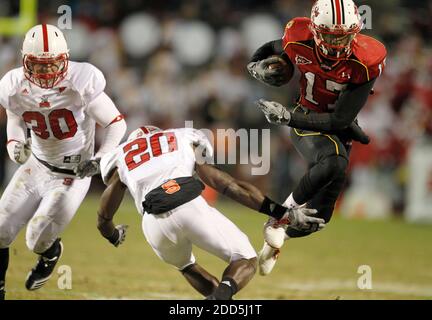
{"x": 143, "y": 131}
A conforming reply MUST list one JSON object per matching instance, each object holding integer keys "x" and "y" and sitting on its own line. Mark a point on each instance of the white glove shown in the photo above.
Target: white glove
{"x": 301, "y": 219}
{"x": 119, "y": 235}
{"x": 87, "y": 168}
{"x": 274, "y": 112}
{"x": 22, "y": 151}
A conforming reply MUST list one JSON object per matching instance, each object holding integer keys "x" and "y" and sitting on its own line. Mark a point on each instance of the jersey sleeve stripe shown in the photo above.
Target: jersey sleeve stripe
{"x": 120, "y": 117}
{"x": 299, "y": 43}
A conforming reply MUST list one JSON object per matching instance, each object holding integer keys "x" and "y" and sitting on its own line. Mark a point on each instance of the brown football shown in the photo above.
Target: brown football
{"x": 287, "y": 69}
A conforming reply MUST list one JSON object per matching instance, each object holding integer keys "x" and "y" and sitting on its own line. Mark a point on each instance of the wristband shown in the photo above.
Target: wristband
{"x": 272, "y": 209}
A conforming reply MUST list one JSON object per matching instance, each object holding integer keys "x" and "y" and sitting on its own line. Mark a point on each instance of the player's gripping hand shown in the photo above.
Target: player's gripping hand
{"x": 274, "y": 112}
{"x": 116, "y": 235}
{"x": 87, "y": 168}
{"x": 356, "y": 133}
{"x": 273, "y": 76}
{"x": 119, "y": 235}
{"x": 22, "y": 151}
{"x": 302, "y": 219}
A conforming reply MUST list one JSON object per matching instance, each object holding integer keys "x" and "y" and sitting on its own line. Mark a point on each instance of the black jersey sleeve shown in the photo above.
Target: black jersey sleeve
{"x": 268, "y": 49}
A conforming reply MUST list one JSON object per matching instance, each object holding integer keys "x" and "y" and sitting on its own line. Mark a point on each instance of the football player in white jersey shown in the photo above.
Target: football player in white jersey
{"x": 59, "y": 102}
{"x": 158, "y": 168}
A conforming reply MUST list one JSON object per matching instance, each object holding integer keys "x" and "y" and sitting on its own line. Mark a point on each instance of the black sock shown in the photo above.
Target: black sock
{"x": 4, "y": 263}
{"x": 226, "y": 289}
{"x": 52, "y": 251}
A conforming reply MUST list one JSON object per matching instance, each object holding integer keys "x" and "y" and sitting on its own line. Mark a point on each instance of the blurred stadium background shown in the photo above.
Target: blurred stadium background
{"x": 170, "y": 61}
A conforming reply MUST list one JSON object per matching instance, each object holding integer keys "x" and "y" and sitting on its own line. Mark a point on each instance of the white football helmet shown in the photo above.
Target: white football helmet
{"x": 143, "y": 131}
{"x": 45, "y": 55}
{"x": 335, "y": 23}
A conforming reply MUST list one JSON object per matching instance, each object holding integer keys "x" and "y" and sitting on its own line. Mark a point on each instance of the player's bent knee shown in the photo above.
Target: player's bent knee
{"x": 38, "y": 245}
{"x": 334, "y": 166}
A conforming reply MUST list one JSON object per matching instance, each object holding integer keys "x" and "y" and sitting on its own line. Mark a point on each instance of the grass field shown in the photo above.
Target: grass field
{"x": 323, "y": 266}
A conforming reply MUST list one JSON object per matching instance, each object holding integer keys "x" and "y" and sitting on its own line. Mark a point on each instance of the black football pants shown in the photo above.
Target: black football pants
{"x": 327, "y": 158}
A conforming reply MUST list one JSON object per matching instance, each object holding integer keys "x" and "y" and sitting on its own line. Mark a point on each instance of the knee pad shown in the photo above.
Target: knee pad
{"x": 38, "y": 239}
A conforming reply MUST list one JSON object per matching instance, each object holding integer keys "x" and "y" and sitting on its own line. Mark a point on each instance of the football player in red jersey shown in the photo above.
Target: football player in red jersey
{"x": 338, "y": 67}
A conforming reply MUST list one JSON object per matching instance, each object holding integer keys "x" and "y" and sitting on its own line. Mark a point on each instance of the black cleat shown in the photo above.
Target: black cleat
{"x": 42, "y": 272}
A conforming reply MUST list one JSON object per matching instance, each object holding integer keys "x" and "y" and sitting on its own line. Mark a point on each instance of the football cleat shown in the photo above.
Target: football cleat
{"x": 267, "y": 258}
{"x": 42, "y": 272}
{"x": 274, "y": 238}
{"x": 274, "y": 232}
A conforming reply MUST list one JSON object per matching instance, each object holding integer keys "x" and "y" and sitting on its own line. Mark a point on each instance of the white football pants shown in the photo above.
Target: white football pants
{"x": 46, "y": 201}
{"x": 172, "y": 234}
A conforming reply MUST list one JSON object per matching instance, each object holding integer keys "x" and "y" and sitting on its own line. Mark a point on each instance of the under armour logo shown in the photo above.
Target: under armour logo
{"x": 346, "y": 75}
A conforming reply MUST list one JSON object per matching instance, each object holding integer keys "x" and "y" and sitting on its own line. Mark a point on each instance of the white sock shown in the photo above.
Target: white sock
{"x": 290, "y": 202}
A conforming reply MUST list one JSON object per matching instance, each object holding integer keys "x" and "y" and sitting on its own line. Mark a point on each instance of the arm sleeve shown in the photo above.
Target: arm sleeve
{"x": 91, "y": 84}
{"x": 107, "y": 165}
{"x": 16, "y": 132}
{"x": 267, "y": 50}
{"x": 347, "y": 108}
{"x": 105, "y": 113}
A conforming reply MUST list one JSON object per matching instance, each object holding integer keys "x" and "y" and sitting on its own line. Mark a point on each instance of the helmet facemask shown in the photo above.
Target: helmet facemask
{"x": 334, "y": 44}
{"x": 45, "y": 72}
{"x": 334, "y": 25}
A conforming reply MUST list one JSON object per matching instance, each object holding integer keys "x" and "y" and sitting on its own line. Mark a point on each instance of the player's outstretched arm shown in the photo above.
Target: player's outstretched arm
{"x": 110, "y": 201}
{"x": 250, "y": 196}
{"x": 347, "y": 108}
{"x": 240, "y": 191}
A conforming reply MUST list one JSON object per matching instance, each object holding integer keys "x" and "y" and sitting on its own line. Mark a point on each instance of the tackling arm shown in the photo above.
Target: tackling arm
{"x": 240, "y": 191}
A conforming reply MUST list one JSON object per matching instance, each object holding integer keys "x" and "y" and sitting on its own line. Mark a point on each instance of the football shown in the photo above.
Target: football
{"x": 286, "y": 69}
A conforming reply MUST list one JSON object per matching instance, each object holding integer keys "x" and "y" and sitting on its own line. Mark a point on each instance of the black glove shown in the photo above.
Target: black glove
{"x": 119, "y": 235}
{"x": 260, "y": 70}
{"x": 354, "y": 133}
{"x": 88, "y": 168}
